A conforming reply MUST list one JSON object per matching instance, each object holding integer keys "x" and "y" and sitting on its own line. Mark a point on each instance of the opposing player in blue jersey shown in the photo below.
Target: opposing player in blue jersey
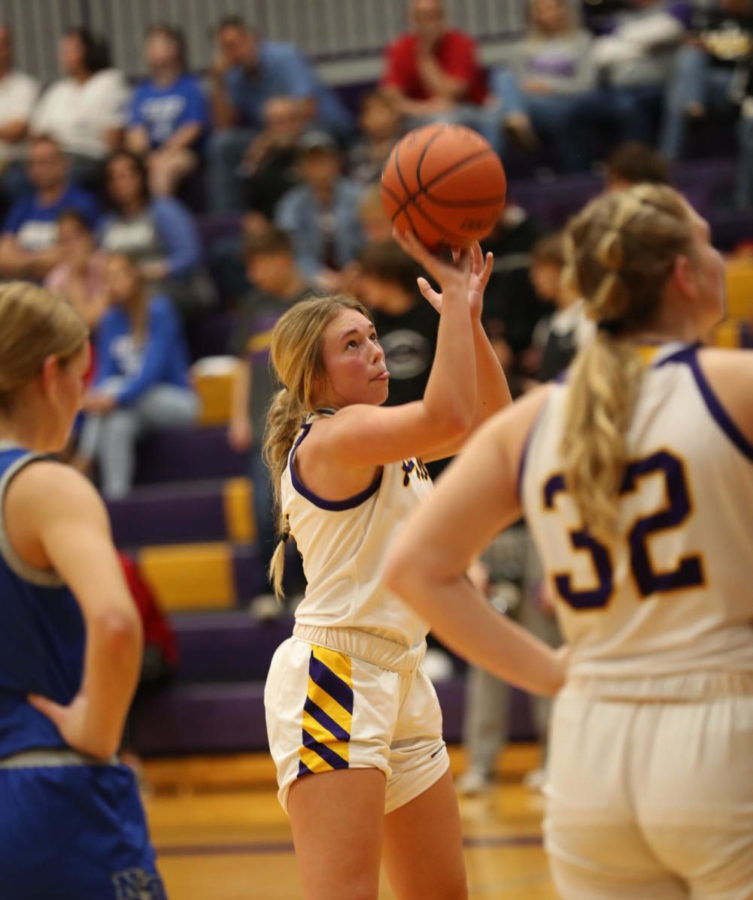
{"x": 71, "y": 822}
{"x": 353, "y": 721}
{"x": 636, "y": 477}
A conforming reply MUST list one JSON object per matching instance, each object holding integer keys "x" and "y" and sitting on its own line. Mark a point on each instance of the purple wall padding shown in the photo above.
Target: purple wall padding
{"x": 186, "y": 455}
{"x": 166, "y": 514}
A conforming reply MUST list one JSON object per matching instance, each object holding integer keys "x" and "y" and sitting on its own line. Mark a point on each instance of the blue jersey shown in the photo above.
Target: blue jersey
{"x": 41, "y": 637}
{"x": 71, "y": 827}
{"x": 35, "y": 225}
{"x": 162, "y": 110}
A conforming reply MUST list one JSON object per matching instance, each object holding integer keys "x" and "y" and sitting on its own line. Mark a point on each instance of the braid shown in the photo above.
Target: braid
{"x": 621, "y": 249}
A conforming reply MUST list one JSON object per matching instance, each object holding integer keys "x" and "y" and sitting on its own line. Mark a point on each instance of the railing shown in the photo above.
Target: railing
{"x": 327, "y": 30}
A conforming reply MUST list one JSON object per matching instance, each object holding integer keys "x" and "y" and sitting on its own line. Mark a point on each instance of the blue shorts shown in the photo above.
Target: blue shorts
{"x": 74, "y": 832}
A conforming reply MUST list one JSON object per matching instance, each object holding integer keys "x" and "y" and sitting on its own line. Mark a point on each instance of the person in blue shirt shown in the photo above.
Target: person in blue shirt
{"x": 71, "y": 821}
{"x": 142, "y": 380}
{"x": 28, "y": 246}
{"x": 247, "y": 72}
{"x": 321, "y": 214}
{"x": 169, "y": 117}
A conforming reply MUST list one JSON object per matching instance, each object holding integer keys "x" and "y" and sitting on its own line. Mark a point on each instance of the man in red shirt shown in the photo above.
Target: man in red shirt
{"x": 432, "y": 74}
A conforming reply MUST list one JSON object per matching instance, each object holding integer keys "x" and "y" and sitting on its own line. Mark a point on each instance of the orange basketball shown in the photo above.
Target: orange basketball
{"x": 446, "y": 183}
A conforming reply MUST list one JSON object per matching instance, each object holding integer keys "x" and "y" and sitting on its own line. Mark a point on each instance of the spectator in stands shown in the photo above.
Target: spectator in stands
{"x": 276, "y": 285}
{"x": 321, "y": 213}
{"x": 80, "y": 274}
{"x": 406, "y": 324}
{"x": 28, "y": 247}
{"x": 247, "y": 72}
{"x": 375, "y": 223}
{"x": 142, "y": 380}
{"x": 85, "y": 111}
{"x": 18, "y": 92}
{"x": 169, "y": 116}
{"x": 269, "y": 167}
{"x": 381, "y": 126}
{"x": 558, "y": 336}
{"x": 634, "y": 163}
{"x": 744, "y": 185}
{"x": 634, "y": 64}
{"x": 545, "y": 74}
{"x": 509, "y": 575}
{"x": 511, "y": 307}
{"x": 708, "y": 69}
{"x": 158, "y": 233}
{"x": 432, "y": 74}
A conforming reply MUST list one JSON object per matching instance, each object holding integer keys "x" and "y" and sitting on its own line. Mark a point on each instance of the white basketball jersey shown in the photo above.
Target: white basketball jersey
{"x": 673, "y": 591}
{"x": 343, "y": 545}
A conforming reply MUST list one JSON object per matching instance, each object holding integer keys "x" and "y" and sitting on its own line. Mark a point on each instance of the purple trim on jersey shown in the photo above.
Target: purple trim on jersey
{"x": 718, "y": 412}
{"x": 329, "y": 505}
{"x": 685, "y": 354}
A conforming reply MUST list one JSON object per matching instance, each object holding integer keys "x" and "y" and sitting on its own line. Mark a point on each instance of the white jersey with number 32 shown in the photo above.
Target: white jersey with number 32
{"x": 672, "y": 592}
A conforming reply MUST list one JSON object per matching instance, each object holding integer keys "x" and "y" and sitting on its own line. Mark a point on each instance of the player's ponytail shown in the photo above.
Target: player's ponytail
{"x": 296, "y": 353}
{"x": 621, "y": 249}
{"x": 34, "y": 324}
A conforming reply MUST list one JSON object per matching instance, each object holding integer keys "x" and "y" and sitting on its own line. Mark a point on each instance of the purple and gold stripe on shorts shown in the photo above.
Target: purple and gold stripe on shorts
{"x": 327, "y": 713}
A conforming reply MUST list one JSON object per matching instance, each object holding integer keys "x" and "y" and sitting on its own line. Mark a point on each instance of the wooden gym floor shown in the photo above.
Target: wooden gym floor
{"x": 221, "y": 835}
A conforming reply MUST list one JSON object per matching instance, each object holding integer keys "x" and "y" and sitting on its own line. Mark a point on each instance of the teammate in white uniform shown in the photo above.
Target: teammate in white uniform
{"x": 636, "y": 479}
{"x": 354, "y": 724}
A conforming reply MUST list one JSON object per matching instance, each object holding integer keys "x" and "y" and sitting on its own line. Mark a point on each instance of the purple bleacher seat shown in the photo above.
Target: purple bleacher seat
{"x": 200, "y": 718}
{"x": 729, "y": 227}
{"x": 226, "y": 646}
{"x": 553, "y": 202}
{"x": 169, "y": 514}
{"x": 229, "y": 718}
{"x": 188, "y": 454}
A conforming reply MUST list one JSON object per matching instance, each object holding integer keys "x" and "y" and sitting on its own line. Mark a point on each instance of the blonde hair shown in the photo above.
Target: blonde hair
{"x": 34, "y": 324}
{"x": 296, "y": 353}
{"x": 137, "y": 305}
{"x": 620, "y": 251}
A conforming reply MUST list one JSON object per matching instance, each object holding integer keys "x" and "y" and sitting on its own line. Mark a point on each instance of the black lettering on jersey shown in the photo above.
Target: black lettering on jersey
{"x": 417, "y": 466}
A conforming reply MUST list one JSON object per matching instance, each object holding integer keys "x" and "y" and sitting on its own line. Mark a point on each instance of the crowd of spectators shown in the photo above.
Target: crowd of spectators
{"x": 104, "y": 183}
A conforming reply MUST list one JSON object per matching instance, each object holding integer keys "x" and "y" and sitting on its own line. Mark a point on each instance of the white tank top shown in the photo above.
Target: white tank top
{"x": 674, "y": 591}
{"x": 343, "y": 545}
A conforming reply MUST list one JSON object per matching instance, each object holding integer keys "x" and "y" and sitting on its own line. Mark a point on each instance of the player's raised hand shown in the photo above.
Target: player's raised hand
{"x": 452, "y": 276}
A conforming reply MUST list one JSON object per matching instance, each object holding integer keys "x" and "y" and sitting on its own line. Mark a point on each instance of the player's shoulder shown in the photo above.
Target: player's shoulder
{"x": 732, "y": 361}
{"x": 46, "y": 483}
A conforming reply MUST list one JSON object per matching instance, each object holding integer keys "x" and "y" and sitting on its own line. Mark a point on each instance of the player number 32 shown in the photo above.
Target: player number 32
{"x": 688, "y": 571}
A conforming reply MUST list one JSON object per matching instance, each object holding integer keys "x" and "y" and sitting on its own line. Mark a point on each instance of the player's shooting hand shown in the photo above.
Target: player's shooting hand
{"x": 453, "y": 277}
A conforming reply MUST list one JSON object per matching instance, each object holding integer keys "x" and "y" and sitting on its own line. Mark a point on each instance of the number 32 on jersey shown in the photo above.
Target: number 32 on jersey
{"x": 686, "y": 572}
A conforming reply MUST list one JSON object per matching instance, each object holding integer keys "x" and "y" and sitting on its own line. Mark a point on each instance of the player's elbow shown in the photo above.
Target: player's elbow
{"x": 451, "y": 423}
{"x": 119, "y": 631}
{"x": 404, "y": 572}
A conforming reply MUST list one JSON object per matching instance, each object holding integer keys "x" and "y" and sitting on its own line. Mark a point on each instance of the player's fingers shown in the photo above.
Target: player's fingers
{"x": 428, "y": 293}
{"x": 488, "y": 267}
{"x": 477, "y": 257}
{"x": 47, "y": 707}
{"x": 411, "y": 244}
